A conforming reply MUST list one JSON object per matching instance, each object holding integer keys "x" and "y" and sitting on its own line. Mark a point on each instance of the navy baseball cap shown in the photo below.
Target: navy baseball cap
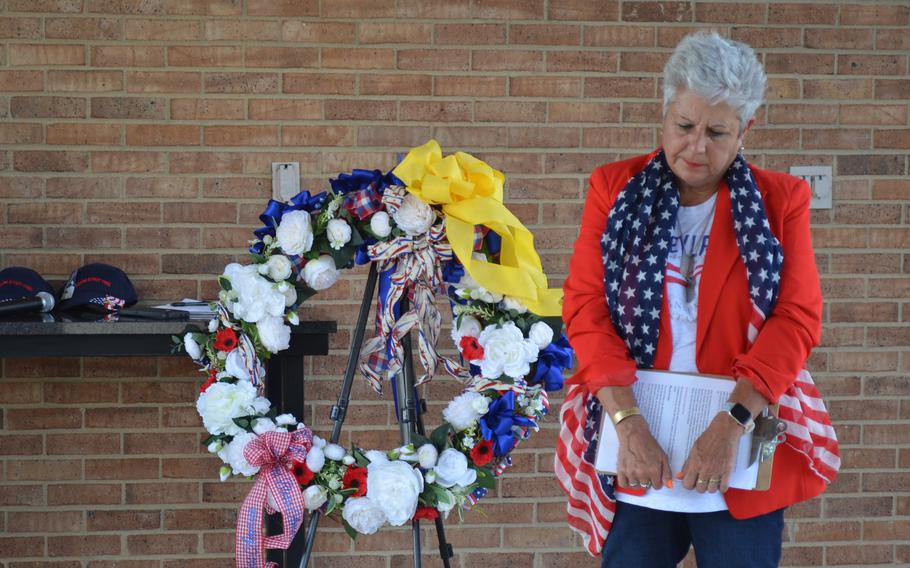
{"x": 18, "y": 282}
{"x": 100, "y": 284}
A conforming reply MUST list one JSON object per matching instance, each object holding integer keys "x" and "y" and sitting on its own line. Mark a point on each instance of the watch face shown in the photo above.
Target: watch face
{"x": 741, "y": 413}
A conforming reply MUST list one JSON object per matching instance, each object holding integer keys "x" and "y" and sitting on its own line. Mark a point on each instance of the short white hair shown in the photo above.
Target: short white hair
{"x": 718, "y": 70}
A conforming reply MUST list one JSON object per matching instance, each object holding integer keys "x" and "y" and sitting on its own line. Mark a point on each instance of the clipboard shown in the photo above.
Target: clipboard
{"x": 707, "y": 393}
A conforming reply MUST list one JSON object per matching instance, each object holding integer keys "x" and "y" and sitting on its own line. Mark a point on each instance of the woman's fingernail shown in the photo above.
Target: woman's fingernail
{"x": 679, "y": 475}
{"x": 670, "y": 483}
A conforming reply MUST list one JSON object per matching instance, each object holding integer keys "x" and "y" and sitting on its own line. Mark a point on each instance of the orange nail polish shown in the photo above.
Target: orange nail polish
{"x": 670, "y": 483}
{"x": 679, "y": 475}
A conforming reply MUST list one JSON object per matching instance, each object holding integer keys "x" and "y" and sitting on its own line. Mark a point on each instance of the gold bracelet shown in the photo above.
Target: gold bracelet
{"x": 623, "y": 414}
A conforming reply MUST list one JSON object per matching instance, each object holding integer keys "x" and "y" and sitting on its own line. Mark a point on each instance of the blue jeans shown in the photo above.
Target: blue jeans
{"x": 648, "y": 538}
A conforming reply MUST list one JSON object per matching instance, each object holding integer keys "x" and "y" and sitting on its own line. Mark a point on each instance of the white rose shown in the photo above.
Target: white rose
{"x": 506, "y": 351}
{"x": 320, "y": 273}
{"x": 469, "y": 288}
{"x": 232, "y": 454}
{"x": 263, "y": 425}
{"x": 315, "y": 459}
{"x": 452, "y": 469}
{"x": 252, "y": 297}
{"x": 541, "y": 334}
{"x": 364, "y": 516}
{"x": 192, "y": 348}
{"x": 461, "y": 413}
{"x": 290, "y": 296}
{"x": 427, "y": 455}
{"x": 380, "y": 224}
{"x": 334, "y": 452}
{"x": 279, "y": 267}
{"x": 394, "y": 486}
{"x": 338, "y": 232}
{"x": 314, "y": 497}
{"x": 295, "y": 233}
{"x": 514, "y": 304}
{"x": 318, "y": 442}
{"x": 469, "y": 327}
{"x": 274, "y": 335}
{"x": 414, "y": 217}
{"x": 285, "y": 419}
{"x": 375, "y": 456}
{"x": 234, "y": 366}
{"x": 222, "y": 402}
{"x": 348, "y": 459}
{"x": 445, "y": 502}
{"x": 213, "y": 325}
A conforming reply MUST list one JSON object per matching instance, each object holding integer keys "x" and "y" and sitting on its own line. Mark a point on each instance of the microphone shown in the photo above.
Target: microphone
{"x": 41, "y": 302}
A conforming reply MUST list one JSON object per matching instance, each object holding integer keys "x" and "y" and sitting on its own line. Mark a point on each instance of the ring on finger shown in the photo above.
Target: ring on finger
{"x": 646, "y": 484}
{"x": 701, "y": 482}
{"x": 712, "y": 480}
{"x": 634, "y": 484}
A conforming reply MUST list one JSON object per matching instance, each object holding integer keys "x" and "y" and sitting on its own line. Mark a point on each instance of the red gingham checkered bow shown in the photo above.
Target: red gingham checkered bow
{"x": 272, "y": 452}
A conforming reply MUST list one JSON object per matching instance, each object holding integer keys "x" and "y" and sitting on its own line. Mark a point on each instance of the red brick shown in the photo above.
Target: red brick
{"x": 21, "y": 133}
{"x": 583, "y": 112}
{"x": 396, "y": 85}
{"x": 19, "y": 393}
{"x": 843, "y": 89}
{"x": 22, "y": 546}
{"x": 619, "y": 87}
{"x": 357, "y": 58}
{"x": 438, "y": 9}
{"x": 858, "y": 554}
{"x": 205, "y": 56}
{"x": 163, "y": 82}
{"x": 434, "y": 59}
{"x": 472, "y": 136}
{"x": 175, "y": 443}
{"x": 891, "y": 88}
{"x": 22, "y": 495}
{"x": 509, "y": 9}
{"x": 837, "y": 138}
{"x": 43, "y": 418}
{"x": 360, "y": 109}
{"x": 83, "y": 134}
{"x": 206, "y": 162}
{"x": 872, "y": 64}
{"x": 83, "y": 28}
{"x": 84, "y": 494}
{"x": 657, "y": 12}
{"x": 49, "y": 161}
{"x": 200, "y": 519}
{"x": 123, "y": 520}
{"x": 127, "y": 162}
{"x": 247, "y": 83}
{"x": 43, "y": 470}
{"x": 234, "y": 187}
{"x": 319, "y": 83}
{"x": 594, "y": 61}
{"x": 164, "y": 493}
{"x": 618, "y": 137}
{"x": 149, "y": 108}
{"x": 892, "y": 39}
{"x": 759, "y": 37}
{"x": 316, "y": 31}
{"x": 317, "y": 136}
{"x": 161, "y": 187}
{"x": 435, "y": 111}
{"x": 36, "y": 54}
{"x": 163, "y": 30}
{"x": 283, "y": 57}
{"x": 545, "y": 86}
{"x": 729, "y": 12}
{"x": 189, "y": 212}
{"x": 545, "y": 137}
{"x": 839, "y": 38}
{"x": 287, "y": 8}
{"x": 128, "y": 56}
{"x": 21, "y": 445}
{"x": 241, "y": 135}
{"x": 208, "y": 109}
{"x": 799, "y": 63}
{"x": 123, "y": 468}
{"x": 20, "y": 28}
{"x": 545, "y": 34}
{"x": 582, "y": 10}
{"x": 802, "y": 113}
{"x": 21, "y": 81}
{"x": 45, "y": 521}
{"x": 84, "y": 81}
{"x": 506, "y": 60}
{"x": 470, "y": 34}
{"x": 395, "y": 32}
{"x": 886, "y": 115}
{"x": 879, "y": 14}
{"x": 84, "y": 545}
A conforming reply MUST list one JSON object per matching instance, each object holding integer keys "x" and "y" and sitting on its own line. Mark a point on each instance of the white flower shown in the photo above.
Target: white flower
{"x": 320, "y": 273}
{"x": 315, "y": 459}
{"x": 334, "y": 452}
{"x": 469, "y": 288}
{"x": 505, "y": 351}
{"x": 338, "y": 232}
{"x": 224, "y": 472}
{"x": 285, "y": 419}
{"x": 427, "y": 455}
{"x": 375, "y": 456}
{"x": 252, "y": 297}
{"x": 452, "y": 469}
{"x": 215, "y": 447}
{"x": 469, "y": 327}
{"x": 295, "y": 233}
{"x": 318, "y": 442}
{"x": 430, "y": 476}
{"x": 414, "y": 217}
{"x": 363, "y": 515}
{"x": 213, "y": 325}
{"x": 445, "y": 501}
{"x": 234, "y": 366}
{"x": 348, "y": 459}
{"x": 279, "y": 267}
{"x": 192, "y": 348}
{"x": 461, "y": 412}
{"x": 293, "y": 318}
{"x": 394, "y": 486}
{"x": 263, "y": 425}
{"x": 335, "y": 483}
{"x": 232, "y": 454}
{"x": 380, "y": 224}
{"x": 274, "y": 335}
{"x": 290, "y": 296}
{"x": 314, "y": 497}
{"x": 222, "y": 402}
{"x": 514, "y": 304}
{"x": 541, "y": 334}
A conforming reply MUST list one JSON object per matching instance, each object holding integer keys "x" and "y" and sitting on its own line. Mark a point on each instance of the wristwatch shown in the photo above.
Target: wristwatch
{"x": 740, "y": 414}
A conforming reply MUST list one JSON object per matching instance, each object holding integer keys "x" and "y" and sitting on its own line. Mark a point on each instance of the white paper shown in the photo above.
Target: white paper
{"x": 194, "y": 311}
{"x": 678, "y": 407}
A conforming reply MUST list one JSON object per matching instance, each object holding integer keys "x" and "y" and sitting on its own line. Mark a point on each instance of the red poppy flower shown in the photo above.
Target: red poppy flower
{"x": 425, "y": 513}
{"x": 470, "y": 348}
{"x": 208, "y": 382}
{"x": 482, "y": 453}
{"x": 355, "y": 478}
{"x": 225, "y": 339}
{"x": 302, "y": 472}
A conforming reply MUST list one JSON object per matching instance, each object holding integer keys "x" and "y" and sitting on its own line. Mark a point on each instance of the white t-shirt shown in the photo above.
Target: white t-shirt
{"x": 685, "y": 261}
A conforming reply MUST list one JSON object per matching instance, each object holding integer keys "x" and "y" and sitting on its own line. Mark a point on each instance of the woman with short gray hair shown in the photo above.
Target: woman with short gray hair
{"x": 692, "y": 260}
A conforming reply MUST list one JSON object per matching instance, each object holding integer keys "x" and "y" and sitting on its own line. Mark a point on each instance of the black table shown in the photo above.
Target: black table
{"x": 61, "y": 336}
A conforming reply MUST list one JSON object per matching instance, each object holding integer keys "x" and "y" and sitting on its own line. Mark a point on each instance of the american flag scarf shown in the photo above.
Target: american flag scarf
{"x": 635, "y": 247}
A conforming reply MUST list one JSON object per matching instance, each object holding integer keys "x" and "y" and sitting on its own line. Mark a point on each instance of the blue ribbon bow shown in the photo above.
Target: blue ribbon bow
{"x": 497, "y": 423}
{"x": 551, "y": 362}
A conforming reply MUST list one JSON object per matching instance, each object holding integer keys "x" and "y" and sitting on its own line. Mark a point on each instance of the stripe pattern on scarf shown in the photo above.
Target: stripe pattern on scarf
{"x": 635, "y": 246}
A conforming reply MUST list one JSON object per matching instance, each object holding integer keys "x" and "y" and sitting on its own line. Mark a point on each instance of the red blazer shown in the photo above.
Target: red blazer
{"x": 770, "y": 364}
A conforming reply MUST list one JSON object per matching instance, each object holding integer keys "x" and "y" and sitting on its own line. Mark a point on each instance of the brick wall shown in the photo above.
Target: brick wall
{"x": 140, "y": 133}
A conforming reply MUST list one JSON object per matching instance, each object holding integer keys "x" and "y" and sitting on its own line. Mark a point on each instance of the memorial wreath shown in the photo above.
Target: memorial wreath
{"x": 433, "y": 225}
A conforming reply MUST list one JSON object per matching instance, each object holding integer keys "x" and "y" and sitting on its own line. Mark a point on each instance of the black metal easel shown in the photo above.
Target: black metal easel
{"x": 410, "y": 421}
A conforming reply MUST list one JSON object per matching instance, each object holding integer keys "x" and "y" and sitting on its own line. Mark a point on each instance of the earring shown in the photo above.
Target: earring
{"x": 742, "y": 149}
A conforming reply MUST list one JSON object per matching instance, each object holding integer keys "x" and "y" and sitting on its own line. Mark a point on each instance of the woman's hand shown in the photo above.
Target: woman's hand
{"x": 642, "y": 462}
{"x": 713, "y": 456}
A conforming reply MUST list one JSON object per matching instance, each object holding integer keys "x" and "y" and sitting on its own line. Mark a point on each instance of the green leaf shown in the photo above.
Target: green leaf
{"x": 350, "y": 530}
{"x": 485, "y": 478}
{"x": 360, "y": 459}
{"x": 440, "y": 436}
{"x": 225, "y": 283}
{"x": 330, "y": 506}
{"x": 209, "y": 440}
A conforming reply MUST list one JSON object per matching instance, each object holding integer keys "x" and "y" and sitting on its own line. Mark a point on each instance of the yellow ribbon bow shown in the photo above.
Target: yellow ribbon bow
{"x": 470, "y": 192}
